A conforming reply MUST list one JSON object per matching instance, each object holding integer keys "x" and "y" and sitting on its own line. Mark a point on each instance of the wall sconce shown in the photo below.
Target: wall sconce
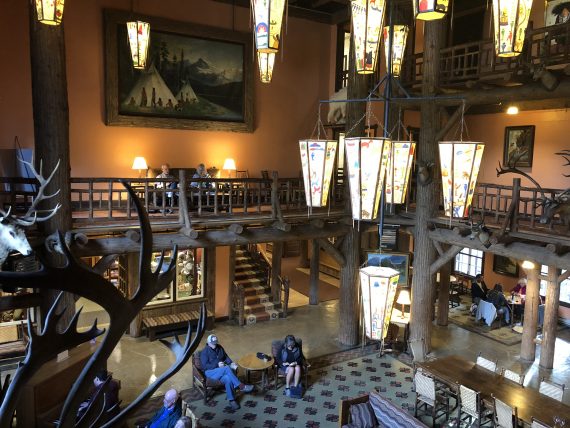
{"x": 527, "y": 265}
{"x": 404, "y": 299}
{"x": 139, "y": 36}
{"x": 317, "y": 164}
{"x": 510, "y": 19}
{"x": 268, "y": 19}
{"x": 229, "y": 165}
{"x": 428, "y": 10}
{"x": 378, "y": 287}
{"x": 367, "y": 21}
{"x": 140, "y": 164}
{"x": 398, "y": 47}
{"x": 512, "y": 110}
{"x": 50, "y": 12}
{"x": 265, "y": 61}
{"x": 460, "y": 163}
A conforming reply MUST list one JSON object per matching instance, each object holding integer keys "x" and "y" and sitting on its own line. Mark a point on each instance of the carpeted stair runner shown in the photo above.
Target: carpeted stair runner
{"x": 258, "y": 306}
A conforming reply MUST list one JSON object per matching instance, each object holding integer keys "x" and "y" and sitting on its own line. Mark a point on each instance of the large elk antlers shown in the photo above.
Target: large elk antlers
{"x": 512, "y": 168}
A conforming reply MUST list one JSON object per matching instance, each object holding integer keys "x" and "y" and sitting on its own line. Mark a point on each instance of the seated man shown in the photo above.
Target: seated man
{"x": 478, "y": 289}
{"x": 168, "y": 415}
{"x": 498, "y": 299}
{"x": 111, "y": 394}
{"x": 159, "y": 185}
{"x": 218, "y": 366}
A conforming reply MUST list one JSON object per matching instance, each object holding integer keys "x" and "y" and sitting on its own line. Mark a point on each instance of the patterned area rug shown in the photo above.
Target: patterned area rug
{"x": 332, "y": 378}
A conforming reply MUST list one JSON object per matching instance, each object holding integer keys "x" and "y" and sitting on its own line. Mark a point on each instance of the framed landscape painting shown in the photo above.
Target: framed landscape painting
{"x": 519, "y": 145}
{"x": 505, "y": 265}
{"x": 196, "y": 77}
{"x": 397, "y": 261}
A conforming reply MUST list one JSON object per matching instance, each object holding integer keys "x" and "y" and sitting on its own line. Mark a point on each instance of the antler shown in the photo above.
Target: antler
{"x": 31, "y": 215}
{"x": 514, "y": 170}
{"x": 566, "y": 155}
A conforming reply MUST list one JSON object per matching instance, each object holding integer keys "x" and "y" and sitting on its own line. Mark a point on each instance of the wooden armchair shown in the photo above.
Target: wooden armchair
{"x": 204, "y": 384}
{"x": 276, "y": 347}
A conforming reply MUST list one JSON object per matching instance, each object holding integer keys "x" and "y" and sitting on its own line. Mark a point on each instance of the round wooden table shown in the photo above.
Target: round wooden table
{"x": 250, "y": 363}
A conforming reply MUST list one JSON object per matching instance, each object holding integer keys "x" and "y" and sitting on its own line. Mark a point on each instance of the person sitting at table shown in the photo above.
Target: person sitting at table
{"x": 290, "y": 360}
{"x": 201, "y": 172}
{"x": 497, "y": 298}
{"x": 111, "y": 395}
{"x": 165, "y": 168}
{"x": 479, "y": 289}
{"x": 520, "y": 291}
{"x": 218, "y": 365}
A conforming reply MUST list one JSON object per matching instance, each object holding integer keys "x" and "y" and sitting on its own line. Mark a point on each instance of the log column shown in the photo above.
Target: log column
{"x": 276, "y": 256}
{"x": 528, "y": 346}
{"x": 304, "y": 251}
{"x": 443, "y": 298}
{"x": 314, "y": 275}
{"x": 231, "y": 278}
{"x": 210, "y": 281}
{"x": 133, "y": 260}
{"x": 349, "y": 306}
{"x": 550, "y": 318}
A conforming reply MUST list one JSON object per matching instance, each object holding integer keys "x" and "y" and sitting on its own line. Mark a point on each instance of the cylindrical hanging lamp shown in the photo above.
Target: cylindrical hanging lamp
{"x": 398, "y": 47}
{"x": 399, "y": 169}
{"x": 367, "y": 21}
{"x": 510, "y": 19}
{"x": 139, "y": 37}
{"x": 428, "y": 10}
{"x": 50, "y": 12}
{"x": 317, "y": 164}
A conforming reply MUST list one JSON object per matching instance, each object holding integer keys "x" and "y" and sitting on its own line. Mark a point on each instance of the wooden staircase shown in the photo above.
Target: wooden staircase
{"x": 252, "y": 301}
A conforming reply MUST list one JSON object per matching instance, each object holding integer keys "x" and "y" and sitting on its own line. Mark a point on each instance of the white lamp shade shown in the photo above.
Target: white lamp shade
{"x": 398, "y": 47}
{"x": 317, "y": 163}
{"x": 399, "y": 169}
{"x": 378, "y": 287}
{"x": 367, "y": 21}
{"x": 139, "y": 163}
{"x": 404, "y": 298}
{"x": 510, "y": 19}
{"x": 268, "y": 16}
{"x": 460, "y": 163}
{"x": 265, "y": 61}
{"x": 139, "y": 36}
{"x": 229, "y": 164}
{"x": 367, "y": 160}
{"x": 50, "y": 12}
{"x": 428, "y": 10}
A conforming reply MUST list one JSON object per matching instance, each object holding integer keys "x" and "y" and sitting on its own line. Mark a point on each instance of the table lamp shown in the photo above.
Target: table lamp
{"x": 140, "y": 164}
{"x": 229, "y": 165}
{"x": 404, "y": 299}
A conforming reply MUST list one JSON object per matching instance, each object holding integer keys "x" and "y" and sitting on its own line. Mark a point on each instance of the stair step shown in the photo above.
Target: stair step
{"x": 263, "y": 316}
{"x": 248, "y": 272}
{"x": 249, "y": 281}
{"x": 258, "y": 307}
{"x": 254, "y": 290}
{"x": 257, "y": 298}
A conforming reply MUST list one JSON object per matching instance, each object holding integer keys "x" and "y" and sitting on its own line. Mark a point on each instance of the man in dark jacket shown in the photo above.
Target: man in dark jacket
{"x": 111, "y": 396}
{"x": 169, "y": 414}
{"x": 478, "y": 289}
{"x": 218, "y": 366}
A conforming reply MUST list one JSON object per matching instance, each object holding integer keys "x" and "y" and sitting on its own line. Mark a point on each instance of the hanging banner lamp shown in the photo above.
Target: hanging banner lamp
{"x": 268, "y": 17}
{"x": 265, "y": 61}
{"x": 398, "y": 47}
{"x": 317, "y": 163}
{"x": 50, "y": 12}
{"x": 367, "y": 21}
{"x": 399, "y": 169}
{"x": 428, "y": 10}
{"x": 367, "y": 160}
{"x": 139, "y": 36}
{"x": 510, "y": 19}
{"x": 460, "y": 163}
{"x": 378, "y": 286}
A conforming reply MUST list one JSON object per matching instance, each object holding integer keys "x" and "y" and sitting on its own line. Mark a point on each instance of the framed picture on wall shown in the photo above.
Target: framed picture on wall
{"x": 505, "y": 265}
{"x": 519, "y": 145}
{"x": 397, "y": 261}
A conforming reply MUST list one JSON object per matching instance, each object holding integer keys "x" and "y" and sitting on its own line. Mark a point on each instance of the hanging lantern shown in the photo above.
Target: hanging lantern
{"x": 398, "y": 47}
{"x": 460, "y": 163}
{"x": 399, "y": 169}
{"x": 265, "y": 62}
{"x": 50, "y": 12}
{"x": 341, "y": 157}
{"x": 367, "y": 160}
{"x": 378, "y": 287}
{"x": 139, "y": 35}
{"x": 317, "y": 163}
{"x": 510, "y": 19}
{"x": 268, "y": 16}
{"x": 428, "y": 10}
{"x": 367, "y": 20}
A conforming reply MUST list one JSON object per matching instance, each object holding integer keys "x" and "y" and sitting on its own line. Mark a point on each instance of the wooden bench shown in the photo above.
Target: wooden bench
{"x": 170, "y": 322}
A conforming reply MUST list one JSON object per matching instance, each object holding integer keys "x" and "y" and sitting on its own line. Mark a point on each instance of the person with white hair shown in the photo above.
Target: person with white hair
{"x": 217, "y": 365}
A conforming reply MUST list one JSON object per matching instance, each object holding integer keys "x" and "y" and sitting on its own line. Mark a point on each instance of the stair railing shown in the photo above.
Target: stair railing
{"x": 238, "y": 302}
{"x": 284, "y": 283}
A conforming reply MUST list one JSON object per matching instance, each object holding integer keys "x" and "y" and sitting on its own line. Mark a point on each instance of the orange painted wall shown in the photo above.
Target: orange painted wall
{"x": 222, "y": 281}
{"x": 285, "y": 110}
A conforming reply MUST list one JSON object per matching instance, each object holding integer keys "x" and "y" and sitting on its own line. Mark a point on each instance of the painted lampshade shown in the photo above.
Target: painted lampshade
{"x": 399, "y": 169}
{"x": 317, "y": 163}
{"x": 265, "y": 61}
{"x": 398, "y": 46}
{"x": 460, "y": 163}
{"x": 428, "y": 10}
{"x": 268, "y": 16}
{"x": 341, "y": 157}
{"x": 510, "y": 20}
{"x": 139, "y": 36}
{"x": 367, "y": 21}
{"x": 50, "y": 12}
{"x": 378, "y": 287}
{"x": 367, "y": 160}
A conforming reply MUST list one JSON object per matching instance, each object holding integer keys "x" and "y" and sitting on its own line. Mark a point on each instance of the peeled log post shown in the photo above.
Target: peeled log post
{"x": 550, "y": 318}
{"x": 304, "y": 250}
{"x": 528, "y": 346}
{"x": 349, "y": 305}
{"x": 276, "y": 257}
{"x": 210, "y": 260}
{"x": 443, "y": 298}
{"x": 314, "y": 274}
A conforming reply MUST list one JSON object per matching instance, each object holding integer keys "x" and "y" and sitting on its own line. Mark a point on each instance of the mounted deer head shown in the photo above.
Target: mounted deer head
{"x": 424, "y": 172}
{"x": 12, "y": 236}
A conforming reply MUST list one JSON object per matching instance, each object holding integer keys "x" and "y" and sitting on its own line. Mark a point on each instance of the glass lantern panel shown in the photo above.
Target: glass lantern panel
{"x": 377, "y": 298}
{"x": 366, "y": 30}
{"x": 139, "y": 34}
{"x": 398, "y": 173}
{"x": 352, "y": 146}
{"x": 305, "y": 167}
{"x": 428, "y": 10}
{"x": 340, "y": 161}
{"x": 268, "y": 20}
{"x": 374, "y": 157}
{"x": 398, "y": 46}
{"x": 265, "y": 62}
{"x": 329, "y": 167}
{"x": 50, "y": 12}
{"x": 474, "y": 173}
{"x": 510, "y": 19}
{"x": 316, "y": 167}
{"x": 166, "y": 295}
{"x": 446, "y": 160}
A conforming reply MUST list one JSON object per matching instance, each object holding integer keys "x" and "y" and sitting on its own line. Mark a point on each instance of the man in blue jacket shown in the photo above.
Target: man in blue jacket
{"x": 167, "y": 416}
{"x": 218, "y": 366}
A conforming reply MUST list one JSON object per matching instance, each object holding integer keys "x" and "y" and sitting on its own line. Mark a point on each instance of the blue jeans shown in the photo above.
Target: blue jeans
{"x": 227, "y": 377}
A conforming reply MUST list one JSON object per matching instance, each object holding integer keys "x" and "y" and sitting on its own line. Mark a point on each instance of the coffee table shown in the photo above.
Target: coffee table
{"x": 250, "y": 363}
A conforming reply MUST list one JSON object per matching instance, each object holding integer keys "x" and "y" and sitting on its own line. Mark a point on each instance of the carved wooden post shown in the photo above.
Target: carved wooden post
{"x": 133, "y": 260}
{"x": 276, "y": 257}
{"x": 443, "y": 298}
{"x": 528, "y": 346}
{"x": 314, "y": 274}
{"x": 231, "y": 278}
{"x": 426, "y": 200}
{"x": 304, "y": 250}
{"x": 550, "y": 318}
{"x": 210, "y": 282}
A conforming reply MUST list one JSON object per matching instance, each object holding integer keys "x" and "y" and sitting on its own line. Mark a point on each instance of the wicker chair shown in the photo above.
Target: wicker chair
{"x": 514, "y": 376}
{"x": 428, "y": 400}
{"x": 486, "y": 363}
{"x": 276, "y": 347}
{"x": 204, "y": 384}
{"x": 505, "y": 415}
{"x": 551, "y": 389}
{"x": 470, "y": 407}
{"x": 538, "y": 424}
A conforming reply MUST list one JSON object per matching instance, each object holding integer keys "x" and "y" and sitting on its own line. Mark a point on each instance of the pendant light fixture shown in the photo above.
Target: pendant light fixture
{"x": 265, "y": 61}
{"x": 428, "y": 10}
{"x": 367, "y": 21}
{"x": 139, "y": 38}
{"x": 378, "y": 287}
{"x": 510, "y": 18}
{"x": 268, "y": 20}
{"x": 317, "y": 164}
{"x": 398, "y": 47}
{"x": 50, "y": 12}
{"x": 399, "y": 170}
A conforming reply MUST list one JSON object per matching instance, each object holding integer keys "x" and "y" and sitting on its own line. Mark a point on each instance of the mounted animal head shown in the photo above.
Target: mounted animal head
{"x": 480, "y": 231}
{"x": 424, "y": 172}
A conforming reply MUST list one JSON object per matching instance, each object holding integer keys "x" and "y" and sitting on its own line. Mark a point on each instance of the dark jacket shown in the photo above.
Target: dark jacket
{"x": 293, "y": 356}
{"x": 497, "y": 298}
{"x": 211, "y": 357}
{"x": 168, "y": 421}
{"x": 111, "y": 399}
{"x": 477, "y": 292}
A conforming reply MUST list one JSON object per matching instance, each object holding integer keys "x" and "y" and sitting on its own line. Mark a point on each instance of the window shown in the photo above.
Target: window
{"x": 564, "y": 287}
{"x": 469, "y": 262}
{"x": 343, "y": 50}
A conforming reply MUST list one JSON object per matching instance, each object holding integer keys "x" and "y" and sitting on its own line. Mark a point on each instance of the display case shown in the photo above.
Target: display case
{"x": 165, "y": 296}
{"x": 189, "y": 270}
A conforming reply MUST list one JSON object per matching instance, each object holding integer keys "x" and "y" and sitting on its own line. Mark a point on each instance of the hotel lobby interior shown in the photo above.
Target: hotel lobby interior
{"x": 385, "y": 180}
